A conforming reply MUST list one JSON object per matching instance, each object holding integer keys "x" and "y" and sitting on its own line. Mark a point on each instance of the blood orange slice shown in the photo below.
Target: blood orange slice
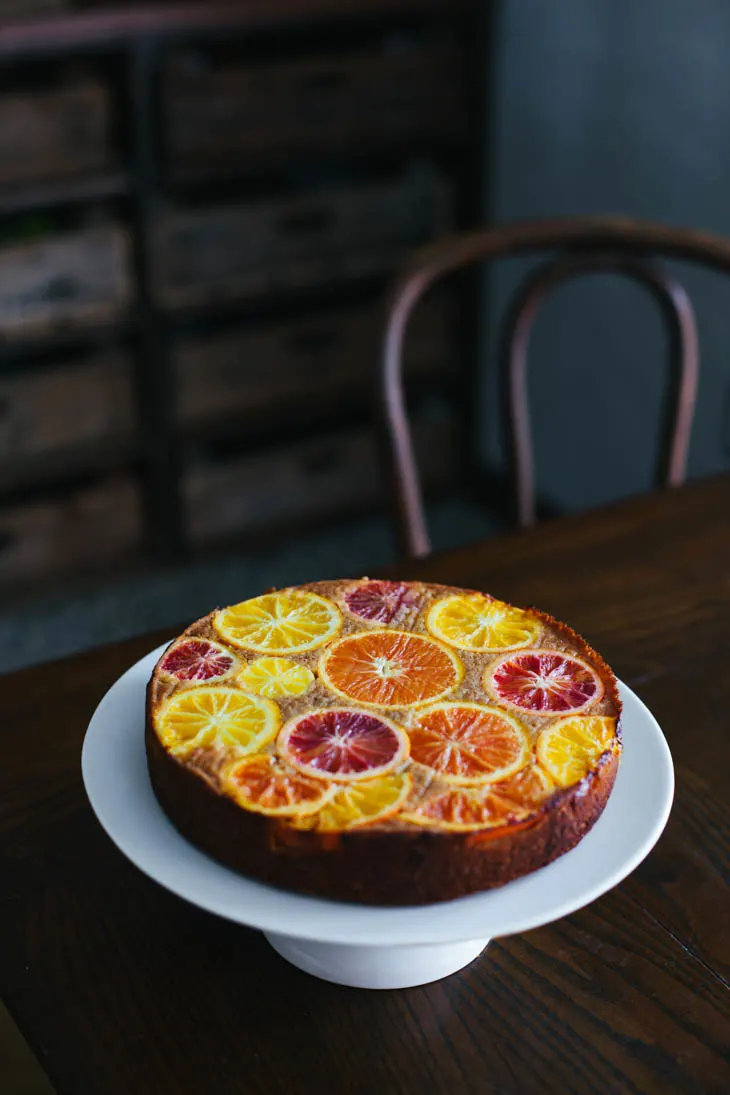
{"x": 463, "y": 809}
{"x": 543, "y": 682}
{"x": 265, "y": 785}
{"x": 467, "y": 743}
{"x": 570, "y": 748}
{"x": 390, "y": 669}
{"x": 381, "y": 602}
{"x": 473, "y": 621}
{"x": 196, "y": 659}
{"x": 356, "y": 804}
{"x": 340, "y": 743}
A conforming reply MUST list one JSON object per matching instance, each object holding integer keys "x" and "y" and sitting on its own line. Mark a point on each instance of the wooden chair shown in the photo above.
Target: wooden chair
{"x": 583, "y": 245}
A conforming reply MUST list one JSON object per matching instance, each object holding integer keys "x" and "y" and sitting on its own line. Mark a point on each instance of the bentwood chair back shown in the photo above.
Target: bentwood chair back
{"x": 577, "y": 246}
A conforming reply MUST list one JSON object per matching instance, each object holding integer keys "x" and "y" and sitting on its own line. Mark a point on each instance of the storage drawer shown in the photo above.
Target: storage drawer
{"x": 317, "y": 358}
{"x": 88, "y": 527}
{"x": 339, "y": 473}
{"x": 73, "y": 280}
{"x": 55, "y": 133}
{"x": 213, "y": 254}
{"x": 47, "y": 412}
{"x": 392, "y": 91}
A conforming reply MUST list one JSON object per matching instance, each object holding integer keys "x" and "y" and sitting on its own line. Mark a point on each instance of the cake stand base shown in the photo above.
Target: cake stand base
{"x": 398, "y": 967}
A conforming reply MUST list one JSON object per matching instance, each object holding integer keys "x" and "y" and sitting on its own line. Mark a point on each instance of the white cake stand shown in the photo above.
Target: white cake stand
{"x": 360, "y": 945}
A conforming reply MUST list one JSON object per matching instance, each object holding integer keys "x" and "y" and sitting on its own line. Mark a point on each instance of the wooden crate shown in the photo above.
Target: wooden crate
{"x": 301, "y": 482}
{"x": 86, "y": 528}
{"x": 72, "y": 280}
{"x": 46, "y": 413}
{"x": 381, "y": 95}
{"x": 227, "y": 252}
{"x": 319, "y": 358}
{"x": 55, "y": 133}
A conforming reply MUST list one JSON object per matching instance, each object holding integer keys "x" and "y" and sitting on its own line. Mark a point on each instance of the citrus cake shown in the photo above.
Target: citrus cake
{"x": 382, "y": 742}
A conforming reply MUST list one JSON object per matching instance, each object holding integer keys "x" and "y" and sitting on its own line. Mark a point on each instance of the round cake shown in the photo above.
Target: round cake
{"x": 382, "y": 742}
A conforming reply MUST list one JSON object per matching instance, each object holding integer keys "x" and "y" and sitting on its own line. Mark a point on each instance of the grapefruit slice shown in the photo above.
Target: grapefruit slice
{"x": 462, "y": 810}
{"x": 467, "y": 743}
{"x": 381, "y": 602}
{"x": 266, "y": 786}
{"x": 286, "y": 622}
{"x": 473, "y": 621}
{"x": 206, "y": 716}
{"x": 387, "y": 668}
{"x": 570, "y": 748}
{"x": 341, "y": 743}
{"x": 358, "y": 804}
{"x": 276, "y": 677}
{"x": 543, "y": 682}
{"x": 197, "y": 659}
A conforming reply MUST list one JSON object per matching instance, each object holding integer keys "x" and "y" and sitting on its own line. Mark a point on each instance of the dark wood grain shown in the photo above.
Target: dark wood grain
{"x": 685, "y": 885}
{"x": 122, "y": 987}
{"x": 646, "y": 581}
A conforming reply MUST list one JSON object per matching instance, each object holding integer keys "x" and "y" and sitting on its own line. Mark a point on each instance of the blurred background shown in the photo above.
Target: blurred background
{"x": 200, "y": 209}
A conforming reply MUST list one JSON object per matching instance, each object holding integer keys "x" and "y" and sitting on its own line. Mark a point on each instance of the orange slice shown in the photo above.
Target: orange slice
{"x": 341, "y": 743}
{"x": 360, "y": 804}
{"x": 463, "y": 809}
{"x": 570, "y": 748}
{"x": 286, "y": 622}
{"x": 387, "y": 668}
{"x": 195, "y": 659}
{"x": 468, "y": 743}
{"x": 196, "y": 717}
{"x": 276, "y": 677}
{"x": 473, "y": 621}
{"x": 543, "y": 682}
{"x": 530, "y": 787}
{"x": 267, "y": 786}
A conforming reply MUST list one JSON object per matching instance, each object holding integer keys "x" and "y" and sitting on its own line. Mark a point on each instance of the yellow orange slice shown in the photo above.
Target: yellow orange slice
{"x": 472, "y": 621}
{"x": 463, "y": 809}
{"x": 267, "y": 786}
{"x": 361, "y": 804}
{"x": 276, "y": 677}
{"x": 388, "y": 668}
{"x": 341, "y": 743}
{"x": 286, "y": 622}
{"x": 203, "y": 716}
{"x": 468, "y": 743}
{"x": 570, "y": 748}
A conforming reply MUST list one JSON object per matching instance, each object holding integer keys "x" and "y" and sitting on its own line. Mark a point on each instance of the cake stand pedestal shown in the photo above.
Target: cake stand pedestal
{"x": 377, "y": 967}
{"x": 360, "y": 945}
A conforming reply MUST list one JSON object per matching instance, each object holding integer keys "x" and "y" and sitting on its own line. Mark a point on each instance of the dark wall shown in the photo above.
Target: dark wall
{"x": 613, "y": 106}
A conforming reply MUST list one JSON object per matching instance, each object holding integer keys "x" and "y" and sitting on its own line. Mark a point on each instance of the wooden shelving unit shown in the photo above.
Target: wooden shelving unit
{"x": 95, "y": 188}
{"x": 296, "y": 188}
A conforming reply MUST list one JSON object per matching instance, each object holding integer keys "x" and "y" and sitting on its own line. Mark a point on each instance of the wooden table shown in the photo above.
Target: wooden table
{"x": 121, "y": 987}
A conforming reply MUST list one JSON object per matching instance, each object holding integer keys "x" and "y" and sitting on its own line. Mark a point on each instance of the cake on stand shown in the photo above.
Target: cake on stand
{"x": 360, "y": 945}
